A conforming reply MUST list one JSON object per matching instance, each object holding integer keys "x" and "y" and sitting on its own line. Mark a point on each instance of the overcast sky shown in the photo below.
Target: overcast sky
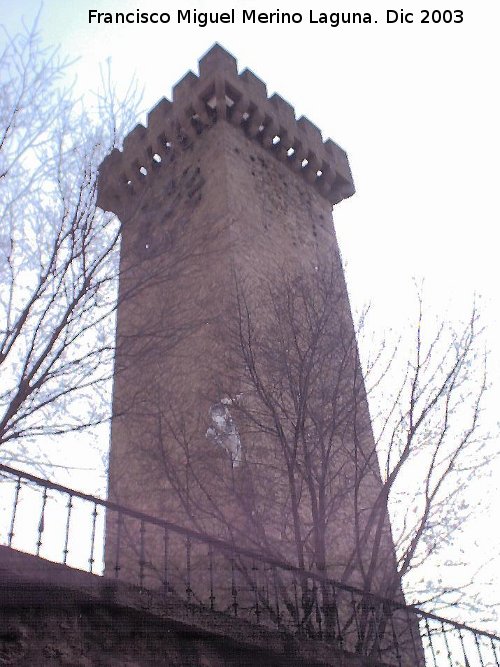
{"x": 416, "y": 107}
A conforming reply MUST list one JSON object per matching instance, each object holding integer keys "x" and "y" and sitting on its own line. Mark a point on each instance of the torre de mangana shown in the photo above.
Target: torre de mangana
{"x": 239, "y": 406}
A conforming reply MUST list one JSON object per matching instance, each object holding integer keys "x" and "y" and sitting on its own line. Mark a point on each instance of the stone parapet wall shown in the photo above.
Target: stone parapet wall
{"x": 53, "y": 615}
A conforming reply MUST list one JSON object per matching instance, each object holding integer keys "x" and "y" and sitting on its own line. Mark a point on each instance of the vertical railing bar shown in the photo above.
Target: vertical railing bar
{"x": 92, "y": 538}
{"x": 340, "y": 638}
{"x": 463, "y": 647}
{"x": 329, "y": 611}
{"x": 211, "y": 575}
{"x": 356, "y": 621}
{"x": 430, "y": 642}
{"x": 142, "y": 560}
{"x": 14, "y": 511}
{"x": 276, "y": 596}
{"x": 189, "y": 590}
{"x": 234, "y": 591}
{"x": 395, "y": 638}
{"x": 256, "y": 591}
{"x": 410, "y": 620}
{"x": 443, "y": 630}
{"x": 68, "y": 519}
{"x": 41, "y": 524}
{"x": 494, "y": 649}
{"x": 296, "y": 600}
{"x": 478, "y": 648}
{"x": 118, "y": 544}
{"x": 266, "y": 589}
{"x": 319, "y": 617}
{"x": 166, "y": 538}
{"x": 378, "y": 611}
{"x": 368, "y": 643}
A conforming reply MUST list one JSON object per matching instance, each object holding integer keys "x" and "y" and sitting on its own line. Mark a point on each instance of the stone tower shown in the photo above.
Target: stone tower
{"x": 227, "y": 239}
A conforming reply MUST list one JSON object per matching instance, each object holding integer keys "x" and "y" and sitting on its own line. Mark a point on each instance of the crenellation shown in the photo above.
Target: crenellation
{"x": 133, "y": 143}
{"x": 133, "y": 172}
{"x": 158, "y": 113}
{"x": 217, "y": 60}
{"x": 256, "y": 88}
{"x": 113, "y": 165}
{"x": 110, "y": 187}
{"x": 311, "y": 137}
{"x": 182, "y": 92}
{"x": 219, "y": 93}
{"x": 285, "y": 113}
{"x": 340, "y": 161}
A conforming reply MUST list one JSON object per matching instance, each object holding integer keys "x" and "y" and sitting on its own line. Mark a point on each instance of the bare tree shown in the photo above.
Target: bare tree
{"x": 295, "y": 470}
{"x": 58, "y": 253}
{"x": 431, "y": 443}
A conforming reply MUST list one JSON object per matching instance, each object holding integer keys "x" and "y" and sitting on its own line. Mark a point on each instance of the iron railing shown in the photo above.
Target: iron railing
{"x": 67, "y": 526}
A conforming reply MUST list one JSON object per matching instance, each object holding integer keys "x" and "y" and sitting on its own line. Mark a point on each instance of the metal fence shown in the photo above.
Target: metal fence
{"x": 67, "y": 526}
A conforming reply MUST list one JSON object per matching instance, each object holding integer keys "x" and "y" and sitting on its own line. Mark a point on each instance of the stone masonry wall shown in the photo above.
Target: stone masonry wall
{"x": 234, "y": 191}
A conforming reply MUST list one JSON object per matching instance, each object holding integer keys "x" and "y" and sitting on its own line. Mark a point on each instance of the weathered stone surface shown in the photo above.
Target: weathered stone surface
{"x": 52, "y": 615}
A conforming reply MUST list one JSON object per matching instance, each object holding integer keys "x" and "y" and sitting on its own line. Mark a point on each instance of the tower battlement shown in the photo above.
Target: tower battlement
{"x": 199, "y": 102}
